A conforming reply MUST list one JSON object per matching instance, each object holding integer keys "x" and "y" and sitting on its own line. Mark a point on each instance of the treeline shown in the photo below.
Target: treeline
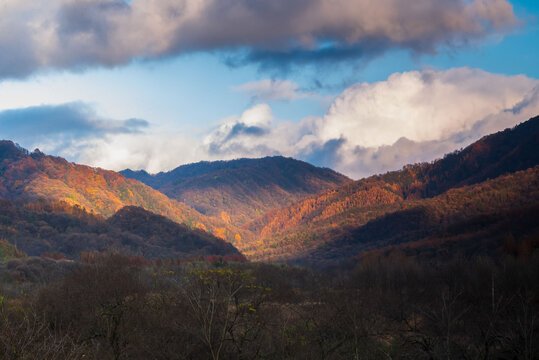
{"x": 115, "y": 308}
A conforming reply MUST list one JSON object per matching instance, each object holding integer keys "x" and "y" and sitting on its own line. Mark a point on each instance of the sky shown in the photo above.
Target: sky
{"x": 358, "y": 86}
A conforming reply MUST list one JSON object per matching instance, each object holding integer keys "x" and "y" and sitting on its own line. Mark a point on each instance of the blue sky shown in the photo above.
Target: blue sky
{"x": 318, "y": 95}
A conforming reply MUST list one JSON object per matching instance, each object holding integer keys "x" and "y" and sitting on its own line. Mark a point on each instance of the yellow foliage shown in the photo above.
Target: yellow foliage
{"x": 220, "y": 233}
{"x": 201, "y": 226}
{"x": 225, "y": 217}
{"x": 237, "y": 237}
{"x": 70, "y": 201}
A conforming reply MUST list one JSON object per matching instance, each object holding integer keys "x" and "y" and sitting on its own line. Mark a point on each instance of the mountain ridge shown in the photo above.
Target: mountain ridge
{"x": 26, "y": 176}
{"x": 239, "y": 190}
{"x": 57, "y": 227}
{"x": 356, "y": 204}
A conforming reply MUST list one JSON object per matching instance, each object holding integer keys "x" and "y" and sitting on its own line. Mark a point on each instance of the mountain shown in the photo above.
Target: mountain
{"x": 338, "y": 216}
{"x": 469, "y": 220}
{"x": 46, "y": 227}
{"x": 32, "y": 176}
{"x": 164, "y": 235}
{"x": 240, "y": 190}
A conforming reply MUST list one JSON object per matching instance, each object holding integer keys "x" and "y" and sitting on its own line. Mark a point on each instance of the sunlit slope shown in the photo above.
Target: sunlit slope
{"x": 296, "y": 230}
{"x": 32, "y": 176}
{"x": 57, "y": 227}
{"x": 241, "y": 190}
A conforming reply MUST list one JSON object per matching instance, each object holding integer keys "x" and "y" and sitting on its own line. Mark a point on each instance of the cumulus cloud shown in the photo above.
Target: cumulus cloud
{"x": 152, "y": 151}
{"x": 254, "y": 133}
{"x": 244, "y": 134}
{"x": 411, "y": 117}
{"x": 421, "y": 105}
{"x": 52, "y": 34}
{"x": 370, "y": 127}
{"x": 268, "y": 90}
{"x": 56, "y": 127}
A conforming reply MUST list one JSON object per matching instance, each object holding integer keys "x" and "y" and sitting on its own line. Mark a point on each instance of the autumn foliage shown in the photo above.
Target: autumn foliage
{"x": 417, "y": 203}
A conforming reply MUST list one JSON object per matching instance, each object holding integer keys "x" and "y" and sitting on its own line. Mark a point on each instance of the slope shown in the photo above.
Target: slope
{"x": 32, "y": 176}
{"x": 240, "y": 190}
{"x": 492, "y": 210}
{"x": 40, "y": 227}
{"x": 319, "y": 218}
{"x": 165, "y": 235}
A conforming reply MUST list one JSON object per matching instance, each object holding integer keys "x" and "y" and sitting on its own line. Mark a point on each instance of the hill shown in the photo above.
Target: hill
{"x": 240, "y": 190}
{"x": 162, "y": 235}
{"x": 29, "y": 177}
{"x": 44, "y": 227}
{"x": 337, "y": 216}
{"x": 470, "y": 220}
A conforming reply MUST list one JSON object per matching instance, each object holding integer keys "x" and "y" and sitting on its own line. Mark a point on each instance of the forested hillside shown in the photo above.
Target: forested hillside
{"x": 33, "y": 176}
{"x": 409, "y": 204}
{"x": 240, "y": 190}
{"x": 469, "y": 202}
{"x": 44, "y": 227}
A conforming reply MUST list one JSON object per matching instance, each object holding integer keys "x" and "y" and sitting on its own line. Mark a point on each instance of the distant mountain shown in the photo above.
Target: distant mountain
{"x": 41, "y": 227}
{"x": 344, "y": 212}
{"x": 32, "y": 176}
{"x": 241, "y": 190}
{"x": 483, "y": 199}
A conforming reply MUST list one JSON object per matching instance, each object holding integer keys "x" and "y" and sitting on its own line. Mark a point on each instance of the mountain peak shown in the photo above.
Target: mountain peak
{"x": 29, "y": 177}
{"x": 242, "y": 189}
{"x": 11, "y": 150}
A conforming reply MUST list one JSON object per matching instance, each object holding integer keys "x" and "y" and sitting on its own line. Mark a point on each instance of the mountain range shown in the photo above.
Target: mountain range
{"x": 240, "y": 190}
{"x": 29, "y": 177}
{"x": 47, "y": 227}
{"x": 324, "y": 220}
{"x": 479, "y": 200}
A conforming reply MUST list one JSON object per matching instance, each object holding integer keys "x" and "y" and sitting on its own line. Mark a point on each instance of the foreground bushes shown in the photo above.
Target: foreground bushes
{"x": 115, "y": 308}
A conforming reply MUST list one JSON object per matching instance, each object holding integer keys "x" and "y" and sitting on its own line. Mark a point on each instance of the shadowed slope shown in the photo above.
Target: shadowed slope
{"x": 40, "y": 227}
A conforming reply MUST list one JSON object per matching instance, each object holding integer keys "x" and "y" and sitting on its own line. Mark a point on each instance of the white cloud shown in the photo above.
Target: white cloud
{"x": 370, "y": 128}
{"x": 421, "y": 105}
{"x": 73, "y": 34}
{"x": 411, "y": 117}
{"x": 151, "y": 151}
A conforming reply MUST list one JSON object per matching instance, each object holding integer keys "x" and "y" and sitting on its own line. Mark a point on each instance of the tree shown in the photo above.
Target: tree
{"x": 224, "y": 305}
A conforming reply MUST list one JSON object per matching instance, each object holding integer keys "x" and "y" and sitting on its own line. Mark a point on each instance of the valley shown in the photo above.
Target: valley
{"x": 276, "y": 209}
{"x": 272, "y": 258}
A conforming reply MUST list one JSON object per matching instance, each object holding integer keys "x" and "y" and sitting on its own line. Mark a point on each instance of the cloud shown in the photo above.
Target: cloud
{"x": 370, "y": 127}
{"x": 74, "y": 34}
{"x": 269, "y": 90}
{"x": 241, "y": 134}
{"x": 152, "y": 151}
{"x": 410, "y": 117}
{"x": 421, "y": 105}
{"x": 55, "y": 127}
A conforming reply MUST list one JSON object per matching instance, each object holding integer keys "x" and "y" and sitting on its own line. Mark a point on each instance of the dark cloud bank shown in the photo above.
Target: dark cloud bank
{"x": 74, "y": 34}
{"x": 61, "y": 124}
